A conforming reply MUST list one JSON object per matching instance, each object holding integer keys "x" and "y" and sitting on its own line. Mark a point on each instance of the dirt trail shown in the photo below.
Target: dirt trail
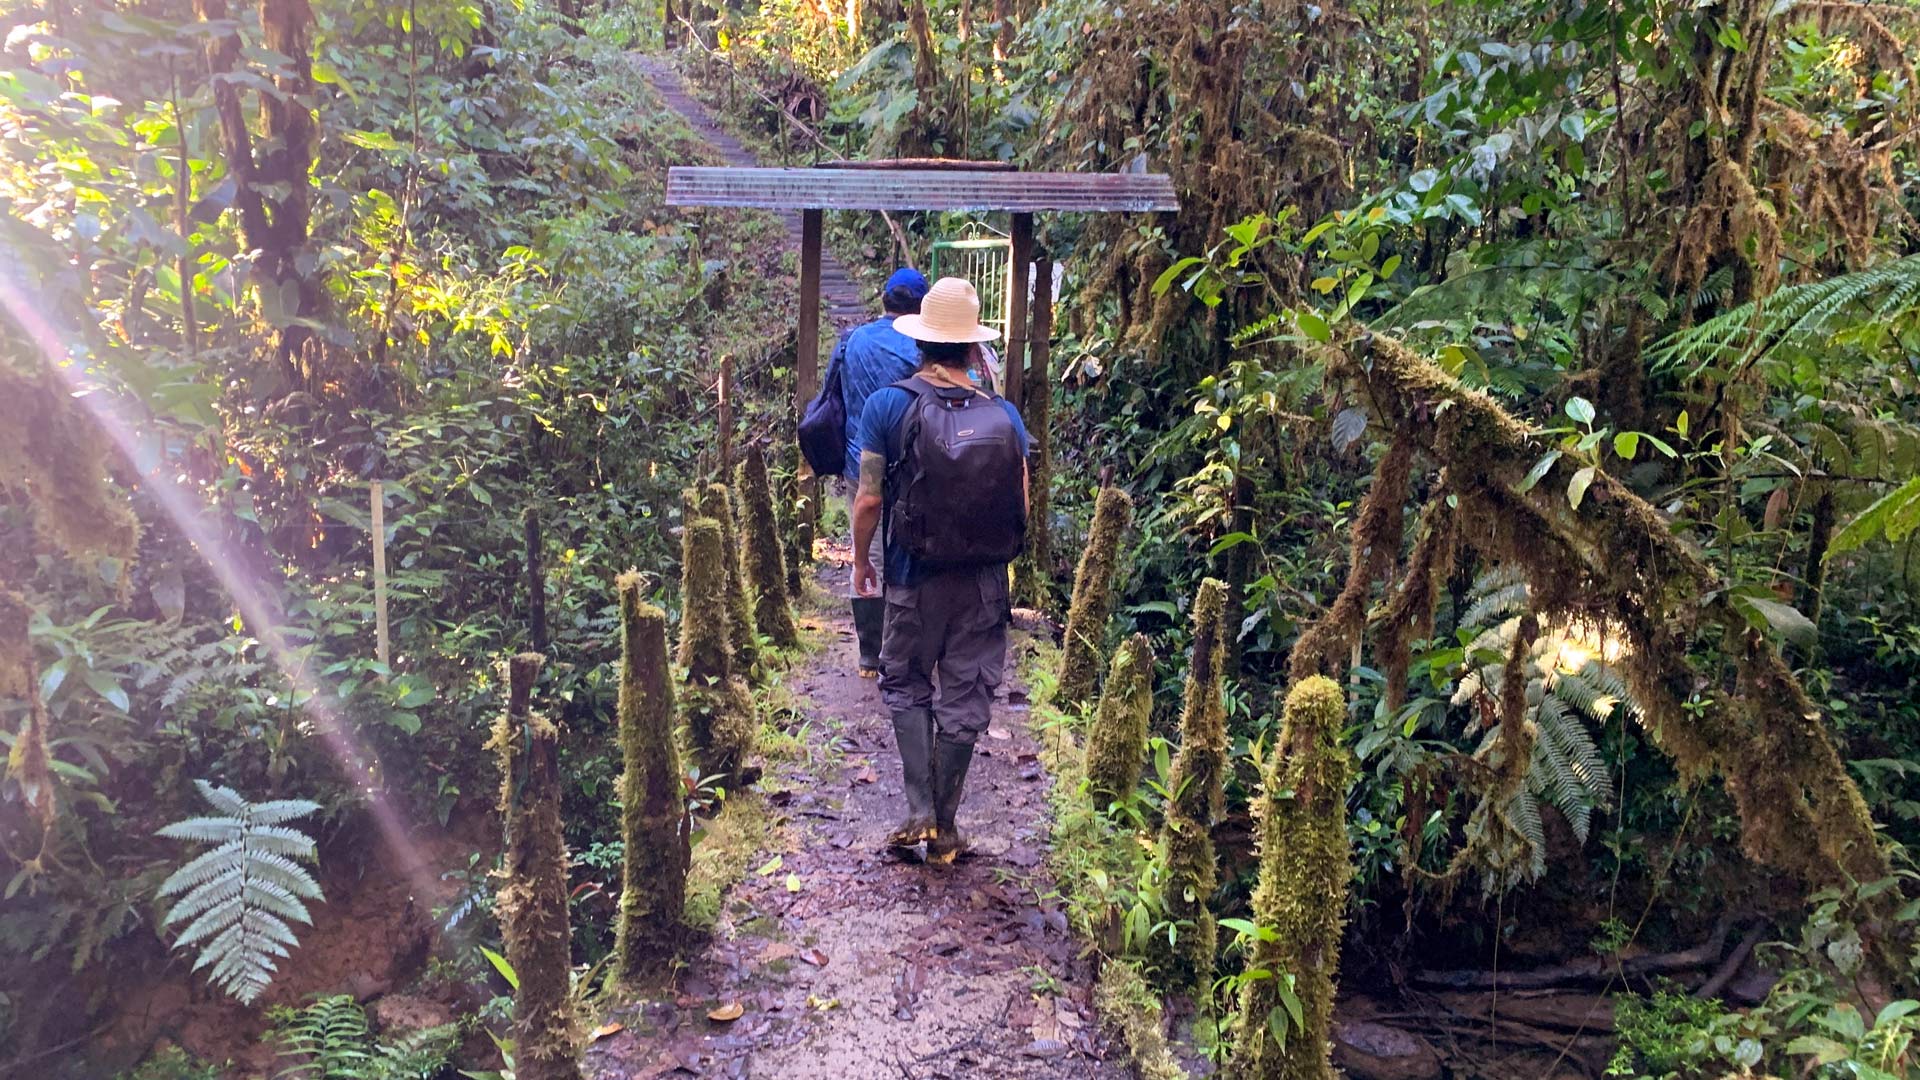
{"x": 850, "y": 964}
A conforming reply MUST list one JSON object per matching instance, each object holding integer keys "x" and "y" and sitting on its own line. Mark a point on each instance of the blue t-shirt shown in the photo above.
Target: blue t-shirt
{"x": 885, "y": 409}
{"x": 871, "y": 356}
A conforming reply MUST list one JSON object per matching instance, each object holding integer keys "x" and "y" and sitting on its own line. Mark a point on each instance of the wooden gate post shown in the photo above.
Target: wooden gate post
{"x": 1019, "y": 255}
{"x": 807, "y": 345}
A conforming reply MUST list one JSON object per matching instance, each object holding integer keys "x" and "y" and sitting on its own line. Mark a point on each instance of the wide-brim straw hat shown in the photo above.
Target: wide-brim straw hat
{"x": 950, "y": 312}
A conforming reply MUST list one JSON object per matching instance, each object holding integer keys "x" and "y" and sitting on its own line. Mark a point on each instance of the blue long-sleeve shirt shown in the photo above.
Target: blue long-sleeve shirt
{"x": 872, "y": 356}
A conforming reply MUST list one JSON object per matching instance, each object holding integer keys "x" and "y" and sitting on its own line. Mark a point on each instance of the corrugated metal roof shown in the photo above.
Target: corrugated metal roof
{"x": 918, "y": 189}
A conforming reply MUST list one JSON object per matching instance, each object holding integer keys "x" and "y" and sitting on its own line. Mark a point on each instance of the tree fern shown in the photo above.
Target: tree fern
{"x": 1798, "y": 316}
{"x": 1570, "y": 685}
{"x": 237, "y": 898}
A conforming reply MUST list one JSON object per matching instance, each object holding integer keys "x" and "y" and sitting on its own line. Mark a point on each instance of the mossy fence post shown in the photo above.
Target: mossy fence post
{"x": 716, "y": 502}
{"x": 788, "y": 519}
{"x": 1092, "y": 607}
{"x": 1117, "y": 742}
{"x": 532, "y": 902}
{"x": 765, "y": 563}
{"x": 1199, "y": 797}
{"x": 653, "y": 825}
{"x": 718, "y": 709}
{"x": 1305, "y": 867}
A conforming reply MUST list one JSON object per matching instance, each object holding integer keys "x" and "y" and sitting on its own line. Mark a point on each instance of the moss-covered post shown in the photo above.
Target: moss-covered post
{"x": 787, "y": 518}
{"x": 1305, "y": 865}
{"x": 1199, "y": 799}
{"x": 532, "y": 902}
{"x": 716, "y": 502}
{"x": 1093, "y": 585}
{"x": 765, "y": 562}
{"x": 653, "y": 823}
{"x": 1117, "y": 743}
{"x": 715, "y": 702}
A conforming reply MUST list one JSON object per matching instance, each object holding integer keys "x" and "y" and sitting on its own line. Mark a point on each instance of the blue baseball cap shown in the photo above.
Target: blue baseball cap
{"x": 907, "y": 280}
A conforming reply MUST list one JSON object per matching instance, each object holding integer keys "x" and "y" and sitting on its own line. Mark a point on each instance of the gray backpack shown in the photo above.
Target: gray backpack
{"x": 956, "y": 491}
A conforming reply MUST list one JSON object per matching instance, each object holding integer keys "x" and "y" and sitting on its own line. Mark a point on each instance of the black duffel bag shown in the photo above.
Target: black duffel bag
{"x": 823, "y": 427}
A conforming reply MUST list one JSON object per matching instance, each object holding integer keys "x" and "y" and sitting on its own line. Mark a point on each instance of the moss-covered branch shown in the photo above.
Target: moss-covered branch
{"x": 1615, "y": 559}
{"x": 1092, "y": 607}
{"x": 715, "y": 501}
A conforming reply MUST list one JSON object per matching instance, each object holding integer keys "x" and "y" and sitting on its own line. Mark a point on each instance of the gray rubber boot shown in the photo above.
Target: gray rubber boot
{"x": 950, "y": 763}
{"x": 869, "y": 617}
{"x": 913, "y": 733}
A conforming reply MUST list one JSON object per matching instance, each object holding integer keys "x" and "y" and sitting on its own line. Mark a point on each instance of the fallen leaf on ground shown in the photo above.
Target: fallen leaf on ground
{"x": 999, "y": 733}
{"x": 822, "y": 1004}
{"x": 866, "y": 776}
{"x": 776, "y": 951}
{"x": 769, "y": 866}
{"x": 605, "y": 1030}
{"x": 814, "y": 957}
{"x": 793, "y": 882}
{"x": 727, "y": 1013}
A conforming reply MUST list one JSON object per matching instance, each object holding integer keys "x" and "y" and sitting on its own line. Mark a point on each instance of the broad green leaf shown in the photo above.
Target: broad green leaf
{"x": 501, "y": 965}
{"x": 1878, "y": 518}
{"x": 1539, "y": 470}
{"x": 1785, "y": 619}
{"x": 1580, "y": 409}
{"x": 1165, "y": 281}
{"x": 1627, "y": 444}
{"x": 1577, "y": 487}
{"x": 1314, "y": 326}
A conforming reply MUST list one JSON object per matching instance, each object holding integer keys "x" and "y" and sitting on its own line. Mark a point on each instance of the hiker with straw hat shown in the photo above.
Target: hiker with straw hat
{"x": 944, "y": 463}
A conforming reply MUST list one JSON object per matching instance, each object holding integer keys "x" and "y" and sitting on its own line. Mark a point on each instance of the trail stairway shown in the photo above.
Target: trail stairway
{"x": 840, "y": 297}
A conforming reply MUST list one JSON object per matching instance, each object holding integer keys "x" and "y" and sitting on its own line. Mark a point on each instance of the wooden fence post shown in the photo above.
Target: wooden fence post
{"x": 536, "y": 582}
{"x": 726, "y": 415}
{"x": 381, "y": 648}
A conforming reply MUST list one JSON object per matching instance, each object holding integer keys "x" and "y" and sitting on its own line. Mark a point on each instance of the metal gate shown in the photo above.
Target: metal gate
{"x": 981, "y": 256}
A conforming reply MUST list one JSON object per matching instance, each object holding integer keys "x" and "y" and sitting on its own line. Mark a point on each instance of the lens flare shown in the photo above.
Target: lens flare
{"x": 188, "y": 514}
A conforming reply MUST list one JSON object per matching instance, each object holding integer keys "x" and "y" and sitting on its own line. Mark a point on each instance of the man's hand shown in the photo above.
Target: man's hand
{"x": 866, "y": 580}
{"x": 867, "y": 504}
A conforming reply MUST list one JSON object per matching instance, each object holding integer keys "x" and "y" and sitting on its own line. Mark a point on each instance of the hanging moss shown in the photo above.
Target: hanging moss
{"x": 16, "y": 651}
{"x": 532, "y": 901}
{"x": 1092, "y": 607}
{"x": 716, "y": 502}
{"x": 1326, "y": 645}
{"x": 1305, "y": 868}
{"x": 715, "y": 701}
{"x": 1615, "y": 560}
{"x": 786, "y": 504}
{"x": 52, "y": 456}
{"x": 765, "y": 563}
{"x": 1409, "y": 614}
{"x": 1117, "y": 742}
{"x": 653, "y": 826}
{"x": 1198, "y": 775}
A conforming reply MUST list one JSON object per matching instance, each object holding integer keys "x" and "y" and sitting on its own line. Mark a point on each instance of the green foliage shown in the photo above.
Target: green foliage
{"x": 1196, "y": 799}
{"x": 329, "y": 1040}
{"x": 763, "y": 551}
{"x": 237, "y": 898}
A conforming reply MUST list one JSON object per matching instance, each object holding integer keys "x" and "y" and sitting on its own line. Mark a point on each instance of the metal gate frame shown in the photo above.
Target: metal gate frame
{"x": 981, "y": 256}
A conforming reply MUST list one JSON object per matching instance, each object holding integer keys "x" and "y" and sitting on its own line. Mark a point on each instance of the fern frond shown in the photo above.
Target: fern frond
{"x": 1798, "y": 316}
{"x": 239, "y": 895}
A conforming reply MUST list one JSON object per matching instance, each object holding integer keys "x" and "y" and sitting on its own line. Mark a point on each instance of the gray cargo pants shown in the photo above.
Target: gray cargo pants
{"x": 953, "y": 625}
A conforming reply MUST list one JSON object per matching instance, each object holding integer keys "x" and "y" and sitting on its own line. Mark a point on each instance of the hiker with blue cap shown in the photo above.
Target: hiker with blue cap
{"x": 870, "y": 357}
